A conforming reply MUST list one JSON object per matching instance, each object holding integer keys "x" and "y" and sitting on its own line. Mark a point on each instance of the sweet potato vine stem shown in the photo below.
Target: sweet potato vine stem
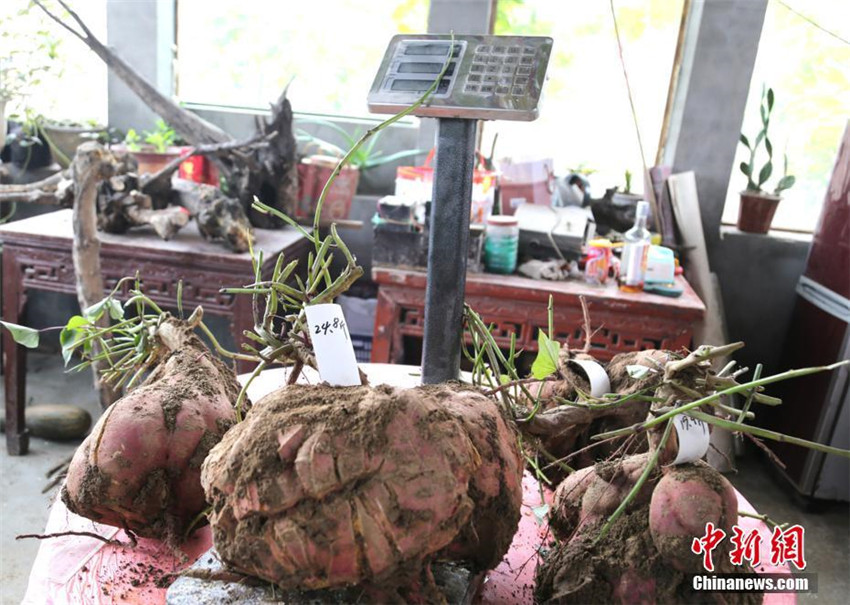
{"x": 763, "y": 518}
{"x": 766, "y": 434}
{"x": 736, "y": 426}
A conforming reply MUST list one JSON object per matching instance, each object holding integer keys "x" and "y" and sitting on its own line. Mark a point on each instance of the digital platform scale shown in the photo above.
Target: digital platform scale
{"x": 488, "y": 78}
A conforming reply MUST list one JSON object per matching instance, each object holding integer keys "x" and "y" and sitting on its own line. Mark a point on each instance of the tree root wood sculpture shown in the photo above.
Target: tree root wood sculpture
{"x": 268, "y": 172}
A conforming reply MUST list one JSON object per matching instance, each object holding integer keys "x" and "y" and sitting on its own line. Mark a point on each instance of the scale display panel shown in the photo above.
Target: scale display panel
{"x": 488, "y": 78}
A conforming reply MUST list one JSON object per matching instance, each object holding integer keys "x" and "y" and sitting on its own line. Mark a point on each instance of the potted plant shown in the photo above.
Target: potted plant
{"x": 315, "y": 168}
{"x": 757, "y": 207}
{"x": 26, "y": 146}
{"x": 153, "y": 149}
{"x": 627, "y": 197}
{"x": 64, "y": 136}
{"x": 28, "y": 53}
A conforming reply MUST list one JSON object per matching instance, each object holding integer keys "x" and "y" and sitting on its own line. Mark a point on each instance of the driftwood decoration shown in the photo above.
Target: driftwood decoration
{"x": 268, "y": 172}
{"x": 91, "y": 166}
{"x": 125, "y": 200}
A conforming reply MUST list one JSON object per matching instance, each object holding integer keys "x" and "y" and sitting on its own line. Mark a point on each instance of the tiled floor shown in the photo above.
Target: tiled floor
{"x": 23, "y": 508}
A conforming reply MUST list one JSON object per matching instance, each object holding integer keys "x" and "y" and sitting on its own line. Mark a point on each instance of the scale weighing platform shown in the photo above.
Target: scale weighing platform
{"x": 487, "y": 78}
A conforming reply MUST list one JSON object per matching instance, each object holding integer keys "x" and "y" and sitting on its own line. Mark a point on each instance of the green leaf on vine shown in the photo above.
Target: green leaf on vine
{"x": 546, "y": 362}
{"x": 22, "y": 335}
{"x": 71, "y": 335}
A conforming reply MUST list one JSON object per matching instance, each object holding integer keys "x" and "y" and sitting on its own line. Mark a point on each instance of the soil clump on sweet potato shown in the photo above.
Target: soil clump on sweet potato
{"x": 322, "y": 487}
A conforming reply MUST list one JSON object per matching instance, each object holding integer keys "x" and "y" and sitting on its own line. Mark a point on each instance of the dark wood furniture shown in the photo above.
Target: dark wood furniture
{"x": 37, "y": 256}
{"x": 518, "y": 305}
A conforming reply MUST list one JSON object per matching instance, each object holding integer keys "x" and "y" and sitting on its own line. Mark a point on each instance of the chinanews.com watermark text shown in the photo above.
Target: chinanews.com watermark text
{"x": 755, "y": 582}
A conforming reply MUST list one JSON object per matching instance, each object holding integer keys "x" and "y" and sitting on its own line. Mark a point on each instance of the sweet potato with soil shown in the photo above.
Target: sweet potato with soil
{"x": 496, "y": 485}
{"x": 646, "y": 552}
{"x": 566, "y": 506}
{"x": 140, "y": 466}
{"x": 685, "y": 499}
{"x": 618, "y": 370}
{"x": 322, "y": 486}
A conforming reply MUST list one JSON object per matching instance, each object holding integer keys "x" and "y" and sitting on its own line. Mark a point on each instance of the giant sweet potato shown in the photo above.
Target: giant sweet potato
{"x": 140, "y": 466}
{"x": 323, "y": 486}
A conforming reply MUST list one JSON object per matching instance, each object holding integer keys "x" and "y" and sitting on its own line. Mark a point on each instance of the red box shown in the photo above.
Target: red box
{"x": 525, "y": 182}
{"x": 514, "y": 194}
{"x": 200, "y": 169}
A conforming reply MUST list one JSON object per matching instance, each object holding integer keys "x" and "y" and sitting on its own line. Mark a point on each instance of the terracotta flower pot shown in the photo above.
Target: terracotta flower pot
{"x": 151, "y": 162}
{"x": 313, "y": 173}
{"x": 148, "y": 159}
{"x": 755, "y": 213}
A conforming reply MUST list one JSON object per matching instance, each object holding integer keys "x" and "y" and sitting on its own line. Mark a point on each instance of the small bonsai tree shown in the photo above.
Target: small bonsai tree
{"x": 748, "y": 168}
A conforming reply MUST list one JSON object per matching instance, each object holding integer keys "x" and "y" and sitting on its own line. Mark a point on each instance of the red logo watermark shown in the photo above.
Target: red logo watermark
{"x": 786, "y": 546}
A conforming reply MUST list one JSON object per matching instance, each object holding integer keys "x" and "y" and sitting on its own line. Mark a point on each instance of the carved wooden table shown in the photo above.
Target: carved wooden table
{"x": 518, "y": 305}
{"x": 37, "y": 256}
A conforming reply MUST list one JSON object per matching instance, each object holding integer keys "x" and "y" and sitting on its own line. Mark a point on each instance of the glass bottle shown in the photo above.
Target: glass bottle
{"x": 635, "y": 251}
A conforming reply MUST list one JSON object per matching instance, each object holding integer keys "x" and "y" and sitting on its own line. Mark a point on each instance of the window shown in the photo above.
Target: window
{"x": 585, "y": 120}
{"x": 809, "y": 71}
{"x": 244, "y": 54}
{"x": 31, "y": 42}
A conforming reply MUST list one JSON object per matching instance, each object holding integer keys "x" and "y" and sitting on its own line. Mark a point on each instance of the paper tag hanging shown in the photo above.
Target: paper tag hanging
{"x": 332, "y": 345}
{"x": 693, "y": 437}
{"x": 600, "y": 384}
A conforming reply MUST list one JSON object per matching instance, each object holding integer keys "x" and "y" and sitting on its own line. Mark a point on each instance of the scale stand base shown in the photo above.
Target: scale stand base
{"x": 447, "y": 250}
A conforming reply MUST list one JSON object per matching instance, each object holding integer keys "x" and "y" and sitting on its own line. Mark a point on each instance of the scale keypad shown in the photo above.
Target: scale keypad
{"x": 488, "y": 78}
{"x": 500, "y": 70}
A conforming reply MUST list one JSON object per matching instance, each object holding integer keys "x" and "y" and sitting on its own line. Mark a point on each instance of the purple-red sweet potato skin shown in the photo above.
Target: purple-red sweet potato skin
{"x": 685, "y": 499}
{"x": 140, "y": 466}
{"x": 610, "y": 484}
{"x": 566, "y": 505}
{"x": 323, "y": 487}
{"x": 646, "y": 554}
{"x": 497, "y": 483}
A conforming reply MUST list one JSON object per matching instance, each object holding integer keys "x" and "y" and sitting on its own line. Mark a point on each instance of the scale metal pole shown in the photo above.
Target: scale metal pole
{"x": 448, "y": 249}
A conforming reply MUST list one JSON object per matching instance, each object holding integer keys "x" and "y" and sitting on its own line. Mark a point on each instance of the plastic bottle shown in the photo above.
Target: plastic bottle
{"x": 598, "y": 261}
{"x": 501, "y": 244}
{"x": 635, "y": 251}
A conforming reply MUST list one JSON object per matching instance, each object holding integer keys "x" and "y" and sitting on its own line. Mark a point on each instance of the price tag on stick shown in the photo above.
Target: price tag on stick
{"x": 693, "y": 438}
{"x": 332, "y": 345}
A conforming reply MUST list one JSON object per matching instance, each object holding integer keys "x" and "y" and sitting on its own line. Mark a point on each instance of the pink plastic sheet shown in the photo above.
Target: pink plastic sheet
{"x": 85, "y": 571}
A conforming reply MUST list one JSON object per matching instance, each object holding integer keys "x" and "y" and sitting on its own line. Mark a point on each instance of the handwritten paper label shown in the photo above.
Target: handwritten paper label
{"x": 693, "y": 438}
{"x": 332, "y": 345}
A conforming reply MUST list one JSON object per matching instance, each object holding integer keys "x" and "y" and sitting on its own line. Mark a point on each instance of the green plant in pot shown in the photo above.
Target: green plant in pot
{"x": 153, "y": 148}
{"x": 26, "y": 57}
{"x": 758, "y": 205}
{"x": 367, "y": 159}
{"x": 64, "y": 136}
